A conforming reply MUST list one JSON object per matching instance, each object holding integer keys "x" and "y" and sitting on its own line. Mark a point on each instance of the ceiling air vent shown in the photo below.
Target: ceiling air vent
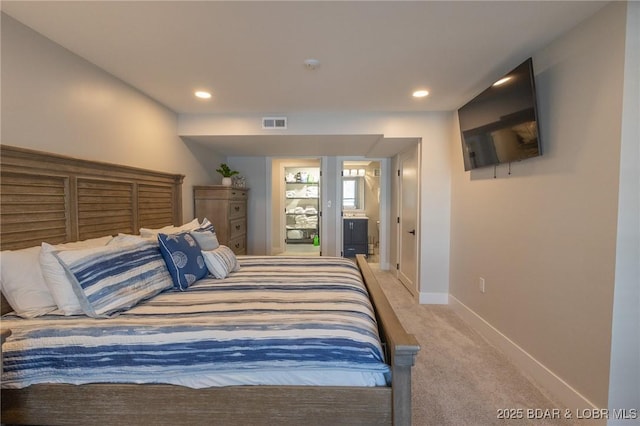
{"x": 274, "y": 122}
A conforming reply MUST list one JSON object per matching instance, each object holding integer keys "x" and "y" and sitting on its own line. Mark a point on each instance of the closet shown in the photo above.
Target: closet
{"x": 302, "y": 205}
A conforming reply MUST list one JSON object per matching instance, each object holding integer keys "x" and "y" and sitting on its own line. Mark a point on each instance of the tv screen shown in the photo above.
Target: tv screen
{"x": 500, "y": 125}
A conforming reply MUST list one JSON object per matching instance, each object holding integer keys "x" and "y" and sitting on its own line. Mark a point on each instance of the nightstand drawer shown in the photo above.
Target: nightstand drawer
{"x": 237, "y": 228}
{"x": 238, "y": 194}
{"x": 238, "y": 245}
{"x": 237, "y": 209}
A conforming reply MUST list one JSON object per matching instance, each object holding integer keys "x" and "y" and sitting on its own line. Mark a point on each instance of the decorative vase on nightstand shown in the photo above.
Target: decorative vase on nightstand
{"x": 226, "y": 173}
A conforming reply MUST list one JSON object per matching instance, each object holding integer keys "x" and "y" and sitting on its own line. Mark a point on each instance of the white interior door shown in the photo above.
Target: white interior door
{"x": 409, "y": 195}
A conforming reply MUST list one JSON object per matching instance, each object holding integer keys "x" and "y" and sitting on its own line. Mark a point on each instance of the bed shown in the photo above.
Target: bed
{"x": 78, "y": 200}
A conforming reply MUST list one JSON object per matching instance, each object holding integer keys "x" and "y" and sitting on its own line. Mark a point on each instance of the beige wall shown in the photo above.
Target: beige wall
{"x": 432, "y": 128}
{"x": 544, "y": 237}
{"x": 55, "y": 101}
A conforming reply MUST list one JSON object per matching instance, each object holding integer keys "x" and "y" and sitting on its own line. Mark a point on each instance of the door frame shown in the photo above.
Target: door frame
{"x": 276, "y": 217}
{"x": 384, "y": 208}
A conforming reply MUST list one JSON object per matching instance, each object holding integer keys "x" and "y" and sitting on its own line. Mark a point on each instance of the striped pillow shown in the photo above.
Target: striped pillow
{"x": 206, "y": 226}
{"x": 221, "y": 261}
{"x": 110, "y": 279}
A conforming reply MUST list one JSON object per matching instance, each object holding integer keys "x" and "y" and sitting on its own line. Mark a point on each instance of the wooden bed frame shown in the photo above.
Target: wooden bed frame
{"x": 47, "y": 197}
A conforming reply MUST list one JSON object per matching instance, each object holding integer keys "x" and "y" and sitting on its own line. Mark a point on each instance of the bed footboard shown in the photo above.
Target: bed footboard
{"x": 402, "y": 347}
{"x": 144, "y": 405}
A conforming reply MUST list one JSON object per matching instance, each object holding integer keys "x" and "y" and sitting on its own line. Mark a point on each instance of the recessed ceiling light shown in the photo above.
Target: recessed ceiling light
{"x": 420, "y": 93}
{"x": 202, "y": 94}
{"x": 311, "y": 64}
{"x": 501, "y": 81}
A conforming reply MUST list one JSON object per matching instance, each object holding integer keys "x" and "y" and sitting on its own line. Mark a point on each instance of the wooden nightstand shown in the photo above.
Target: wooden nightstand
{"x": 226, "y": 208}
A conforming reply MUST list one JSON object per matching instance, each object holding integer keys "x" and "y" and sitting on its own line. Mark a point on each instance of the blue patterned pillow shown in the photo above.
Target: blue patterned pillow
{"x": 183, "y": 257}
{"x": 109, "y": 279}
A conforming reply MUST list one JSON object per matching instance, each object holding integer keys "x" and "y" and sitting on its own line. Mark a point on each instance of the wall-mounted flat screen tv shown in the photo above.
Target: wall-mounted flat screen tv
{"x": 500, "y": 125}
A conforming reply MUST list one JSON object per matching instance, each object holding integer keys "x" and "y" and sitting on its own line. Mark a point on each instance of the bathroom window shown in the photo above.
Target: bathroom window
{"x": 352, "y": 193}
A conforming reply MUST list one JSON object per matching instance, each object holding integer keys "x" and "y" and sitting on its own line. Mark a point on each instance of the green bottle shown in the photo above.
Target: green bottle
{"x": 316, "y": 241}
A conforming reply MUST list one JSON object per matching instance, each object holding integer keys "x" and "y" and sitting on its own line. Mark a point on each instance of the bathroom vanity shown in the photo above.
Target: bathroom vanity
{"x": 355, "y": 235}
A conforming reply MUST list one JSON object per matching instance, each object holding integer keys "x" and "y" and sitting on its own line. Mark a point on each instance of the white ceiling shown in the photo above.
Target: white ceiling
{"x": 251, "y": 55}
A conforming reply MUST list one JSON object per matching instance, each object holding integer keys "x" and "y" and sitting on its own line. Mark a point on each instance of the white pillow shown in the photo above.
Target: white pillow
{"x": 56, "y": 278}
{"x": 153, "y": 233}
{"x": 221, "y": 261}
{"x": 128, "y": 239}
{"x": 22, "y": 283}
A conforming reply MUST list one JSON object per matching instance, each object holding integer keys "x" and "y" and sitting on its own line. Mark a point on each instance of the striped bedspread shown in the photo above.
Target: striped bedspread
{"x": 276, "y": 321}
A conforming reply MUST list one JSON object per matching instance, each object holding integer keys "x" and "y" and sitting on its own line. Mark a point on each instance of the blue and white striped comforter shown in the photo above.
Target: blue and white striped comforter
{"x": 277, "y": 321}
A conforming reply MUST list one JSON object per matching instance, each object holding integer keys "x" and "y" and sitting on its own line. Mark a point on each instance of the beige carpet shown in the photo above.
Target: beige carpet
{"x": 459, "y": 378}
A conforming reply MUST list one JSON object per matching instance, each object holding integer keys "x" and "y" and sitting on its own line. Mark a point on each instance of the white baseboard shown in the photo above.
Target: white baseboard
{"x": 434, "y": 298}
{"x": 547, "y": 379}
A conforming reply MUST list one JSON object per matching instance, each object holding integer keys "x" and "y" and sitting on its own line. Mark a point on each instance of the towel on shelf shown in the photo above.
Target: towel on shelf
{"x": 294, "y": 234}
{"x": 311, "y": 191}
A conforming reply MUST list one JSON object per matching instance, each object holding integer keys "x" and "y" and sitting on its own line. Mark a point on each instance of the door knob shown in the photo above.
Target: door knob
{"x": 412, "y": 232}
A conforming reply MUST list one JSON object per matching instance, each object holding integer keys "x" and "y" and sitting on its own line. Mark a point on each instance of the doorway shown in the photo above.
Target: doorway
{"x": 360, "y": 193}
{"x": 296, "y": 209}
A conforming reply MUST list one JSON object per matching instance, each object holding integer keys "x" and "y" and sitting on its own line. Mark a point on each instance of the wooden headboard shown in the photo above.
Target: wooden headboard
{"x": 54, "y": 198}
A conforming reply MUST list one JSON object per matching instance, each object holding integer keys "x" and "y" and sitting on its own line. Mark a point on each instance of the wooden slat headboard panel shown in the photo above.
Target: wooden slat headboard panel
{"x": 54, "y": 198}
{"x": 154, "y": 205}
{"x": 33, "y": 208}
{"x": 105, "y": 206}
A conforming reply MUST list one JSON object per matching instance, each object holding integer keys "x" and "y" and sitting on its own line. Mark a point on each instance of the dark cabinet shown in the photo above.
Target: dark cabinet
{"x": 355, "y": 236}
